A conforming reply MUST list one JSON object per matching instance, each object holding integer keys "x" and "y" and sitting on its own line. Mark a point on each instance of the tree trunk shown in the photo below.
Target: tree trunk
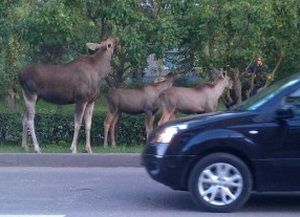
{"x": 251, "y": 85}
{"x": 110, "y": 82}
{"x": 104, "y": 29}
{"x": 227, "y": 100}
{"x": 271, "y": 76}
{"x": 237, "y": 86}
{"x": 206, "y": 49}
{"x": 11, "y": 99}
{"x": 119, "y": 78}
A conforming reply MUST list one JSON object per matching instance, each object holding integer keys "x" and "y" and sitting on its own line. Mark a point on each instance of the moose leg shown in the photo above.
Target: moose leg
{"x": 161, "y": 120}
{"x": 166, "y": 116}
{"x": 79, "y": 110}
{"x": 107, "y": 125}
{"x": 113, "y": 129}
{"x": 30, "y": 111}
{"x": 149, "y": 123}
{"x": 88, "y": 114}
{"x": 172, "y": 117}
{"x": 25, "y": 130}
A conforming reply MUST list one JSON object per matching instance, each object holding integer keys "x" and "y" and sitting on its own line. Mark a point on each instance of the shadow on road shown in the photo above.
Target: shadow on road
{"x": 267, "y": 202}
{"x": 273, "y": 202}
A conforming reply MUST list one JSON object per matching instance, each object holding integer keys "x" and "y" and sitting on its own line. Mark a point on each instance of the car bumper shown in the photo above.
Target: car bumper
{"x": 170, "y": 170}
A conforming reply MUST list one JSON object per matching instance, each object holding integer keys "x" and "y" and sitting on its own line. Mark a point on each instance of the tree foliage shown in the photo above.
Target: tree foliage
{"x": 208, "y": 33}
{"x": 232, "y": 34}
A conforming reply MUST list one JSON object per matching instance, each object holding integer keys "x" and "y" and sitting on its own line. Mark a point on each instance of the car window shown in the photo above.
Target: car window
{"x": 293, "y": 99}
{"x": 267, "y": 94}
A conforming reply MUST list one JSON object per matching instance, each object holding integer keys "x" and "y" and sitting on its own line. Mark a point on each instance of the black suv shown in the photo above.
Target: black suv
{"x": 221, "y": 157}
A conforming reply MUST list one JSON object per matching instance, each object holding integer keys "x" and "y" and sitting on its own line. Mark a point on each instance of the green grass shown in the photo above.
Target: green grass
{"x": 53, "y": 148}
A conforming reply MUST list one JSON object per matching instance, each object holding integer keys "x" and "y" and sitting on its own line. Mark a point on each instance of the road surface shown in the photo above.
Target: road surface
{"x": 110, "y": 192}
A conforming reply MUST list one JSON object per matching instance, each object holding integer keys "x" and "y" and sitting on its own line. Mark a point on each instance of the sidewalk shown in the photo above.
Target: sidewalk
{"x": 70, "y": 160}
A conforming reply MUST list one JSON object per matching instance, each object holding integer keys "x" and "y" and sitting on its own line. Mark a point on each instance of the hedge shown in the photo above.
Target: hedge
{"x": 57, "y": 128}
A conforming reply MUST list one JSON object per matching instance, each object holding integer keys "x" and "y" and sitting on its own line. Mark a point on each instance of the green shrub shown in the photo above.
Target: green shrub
{"x": 188, "y": 82}
{"x": 58, "y": 128}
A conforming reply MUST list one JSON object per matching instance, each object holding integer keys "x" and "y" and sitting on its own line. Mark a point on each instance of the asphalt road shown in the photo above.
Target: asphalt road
{"x": 108, "y": 192}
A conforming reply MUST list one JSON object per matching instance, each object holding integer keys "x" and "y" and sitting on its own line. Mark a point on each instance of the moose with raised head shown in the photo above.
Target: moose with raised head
{"x": 134, "y": 101}
{"x": 200, "y": 99}
{"x": 76, "y": 83}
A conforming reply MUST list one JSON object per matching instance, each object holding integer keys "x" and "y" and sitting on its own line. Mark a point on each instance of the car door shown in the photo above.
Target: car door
{"x": 291, "y": 142}
{"x": 278, "y": 166}
{"x": 288, "y": 159}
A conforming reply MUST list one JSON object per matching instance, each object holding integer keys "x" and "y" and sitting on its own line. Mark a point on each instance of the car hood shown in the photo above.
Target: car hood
{"x": 216, "y": 118}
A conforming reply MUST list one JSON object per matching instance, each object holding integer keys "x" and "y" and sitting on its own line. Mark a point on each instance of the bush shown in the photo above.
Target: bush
{"x": 58, "y": 128}
{"x": 188, "y": 81}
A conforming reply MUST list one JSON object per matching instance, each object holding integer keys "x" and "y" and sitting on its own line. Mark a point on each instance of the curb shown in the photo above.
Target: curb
{"x": 70, "y": 160}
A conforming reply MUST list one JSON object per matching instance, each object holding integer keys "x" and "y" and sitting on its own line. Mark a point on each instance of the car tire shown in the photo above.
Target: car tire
{"x": 220, "y": 182}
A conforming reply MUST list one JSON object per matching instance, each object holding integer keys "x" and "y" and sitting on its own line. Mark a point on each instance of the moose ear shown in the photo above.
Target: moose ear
{"x": 159, "y": 79}
{"x": 108, "y": 46}
{"x": 223, "y": 74}
{"x": 93, "y": 46}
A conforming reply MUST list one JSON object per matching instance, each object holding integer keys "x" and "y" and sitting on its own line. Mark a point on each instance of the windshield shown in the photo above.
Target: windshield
{"x": 264, "y": 96}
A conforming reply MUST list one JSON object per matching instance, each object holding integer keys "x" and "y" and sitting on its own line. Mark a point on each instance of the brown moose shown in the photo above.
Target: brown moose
{"x": 200, "y": 99}
{"x": 74, "y": 83}
{"x": 134, "y": 101}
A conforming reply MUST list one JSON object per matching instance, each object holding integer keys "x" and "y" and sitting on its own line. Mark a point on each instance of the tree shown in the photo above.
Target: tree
{"x": 232, "y": 34}
{"x": 141, "y": 28}
{"x": 12, "y": 51}
{"x": 207, "y": 33}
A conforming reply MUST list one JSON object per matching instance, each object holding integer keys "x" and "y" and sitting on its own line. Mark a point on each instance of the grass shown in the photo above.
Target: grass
{"x": 53, "y": 148}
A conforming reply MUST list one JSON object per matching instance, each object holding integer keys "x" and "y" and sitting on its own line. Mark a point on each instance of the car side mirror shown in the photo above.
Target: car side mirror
{"x": 285, "y": 112}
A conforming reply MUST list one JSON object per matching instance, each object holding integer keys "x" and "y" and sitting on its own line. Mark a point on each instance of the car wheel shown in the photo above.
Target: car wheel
{"x": 220, "y": 182}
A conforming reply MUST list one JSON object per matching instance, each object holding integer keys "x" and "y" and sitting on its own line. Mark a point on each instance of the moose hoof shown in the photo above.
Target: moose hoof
{"x": 73, "y": 150}
{"x": 26, "y": 148}
{"x": 88, "y": 150}
{"x": 38, "y": 151}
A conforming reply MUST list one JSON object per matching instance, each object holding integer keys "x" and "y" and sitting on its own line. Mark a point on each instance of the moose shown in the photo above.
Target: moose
{"x": 76, "y": 83}
{"x": 134, "y": 101}
{"x": 200, "y": 99}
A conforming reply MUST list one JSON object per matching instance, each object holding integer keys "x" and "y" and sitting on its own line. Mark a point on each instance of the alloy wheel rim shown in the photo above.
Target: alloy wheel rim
{"x": 220, "y": 184}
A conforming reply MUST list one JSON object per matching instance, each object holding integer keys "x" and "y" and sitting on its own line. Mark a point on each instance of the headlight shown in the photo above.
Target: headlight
{"x": 167, "y": 134}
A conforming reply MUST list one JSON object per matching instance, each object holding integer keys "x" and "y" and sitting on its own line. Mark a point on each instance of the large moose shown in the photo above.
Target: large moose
{"x": 134, "y": 101}
{"x": 200, "y": 99}
{"x": 74, "y": 83}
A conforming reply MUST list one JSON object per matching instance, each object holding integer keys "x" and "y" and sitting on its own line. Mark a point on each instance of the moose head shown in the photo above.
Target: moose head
{"x": 107, "y": 45}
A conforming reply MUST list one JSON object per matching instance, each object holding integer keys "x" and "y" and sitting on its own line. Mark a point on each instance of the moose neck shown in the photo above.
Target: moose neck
{"x": 102, "y": 63}
{"x": 164, "y": 85}
{"x": 219, "y": 87}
